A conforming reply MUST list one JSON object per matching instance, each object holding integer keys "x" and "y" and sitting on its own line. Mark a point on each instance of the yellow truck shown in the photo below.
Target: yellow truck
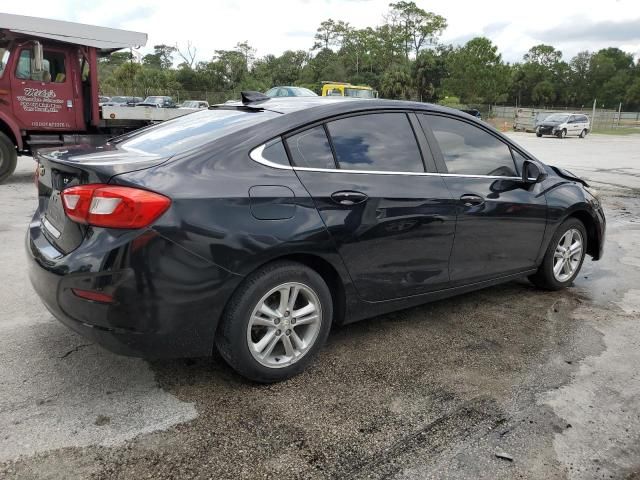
{"x": 341, "y": 89}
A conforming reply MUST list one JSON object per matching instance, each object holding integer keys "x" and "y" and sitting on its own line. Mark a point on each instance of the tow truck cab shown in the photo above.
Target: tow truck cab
{"x": 49, "y": 84}
{"x": 341, "y": 89}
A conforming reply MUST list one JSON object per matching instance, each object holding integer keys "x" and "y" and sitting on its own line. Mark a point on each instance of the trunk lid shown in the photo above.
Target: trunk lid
{"x": 58, "y": 169}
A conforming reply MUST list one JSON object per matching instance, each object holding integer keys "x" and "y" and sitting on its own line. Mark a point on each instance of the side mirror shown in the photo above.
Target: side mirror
{"x": 531, "y": 172}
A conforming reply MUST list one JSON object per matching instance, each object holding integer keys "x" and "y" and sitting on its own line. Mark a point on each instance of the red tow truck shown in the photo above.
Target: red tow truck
{"x": 49, "y": 87}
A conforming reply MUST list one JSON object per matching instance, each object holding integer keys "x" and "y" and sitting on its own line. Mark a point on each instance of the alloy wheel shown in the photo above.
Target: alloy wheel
{"x": 567, "y": 255}
{"x": 284, "y": 325}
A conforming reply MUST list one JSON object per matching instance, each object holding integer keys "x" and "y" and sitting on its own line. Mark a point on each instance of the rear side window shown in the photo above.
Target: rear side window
{"x": 311, "y": 149}
{"x": 378, "y": 141}
{"x": 274, "y": 152}
{"x": 469, "y": 150}
{"x": 190, "y": 131}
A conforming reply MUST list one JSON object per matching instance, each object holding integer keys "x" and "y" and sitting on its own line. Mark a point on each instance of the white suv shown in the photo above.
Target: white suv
{"x": 563, "y": 124}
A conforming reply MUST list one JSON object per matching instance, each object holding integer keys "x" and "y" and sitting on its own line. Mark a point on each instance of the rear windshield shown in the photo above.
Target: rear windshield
{"x": 190, "y": 131}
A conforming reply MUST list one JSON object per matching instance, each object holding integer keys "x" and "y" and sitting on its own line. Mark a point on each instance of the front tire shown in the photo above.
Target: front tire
{"x": 8, "y": 157}
{"x": 562, "y": 133}
{"x": 563, "y": 258}
{"x": 275, "y": 322}
{"x": 538, "y": 134}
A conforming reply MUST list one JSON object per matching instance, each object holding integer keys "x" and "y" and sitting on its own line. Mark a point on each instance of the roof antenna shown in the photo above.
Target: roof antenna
{"x": 253, "y": 97}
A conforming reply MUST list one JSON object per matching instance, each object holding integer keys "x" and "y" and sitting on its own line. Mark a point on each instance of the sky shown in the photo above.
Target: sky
{"x": 278, "y": 25}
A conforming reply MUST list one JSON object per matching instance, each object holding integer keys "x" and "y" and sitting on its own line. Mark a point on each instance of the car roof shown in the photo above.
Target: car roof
{"x": 297, "y": 104}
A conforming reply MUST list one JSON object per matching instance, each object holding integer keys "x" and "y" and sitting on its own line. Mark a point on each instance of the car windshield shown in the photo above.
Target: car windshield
{"x": 303, "y": 92}
{"x": 154, "y": 100}
{"x": 190, "y": 131}
{"x": 358, "y": 92}
{"x": 557, "y": 117}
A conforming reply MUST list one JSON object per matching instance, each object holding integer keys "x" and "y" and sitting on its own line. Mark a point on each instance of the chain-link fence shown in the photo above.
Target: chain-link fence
{"x": 525, "y": 118}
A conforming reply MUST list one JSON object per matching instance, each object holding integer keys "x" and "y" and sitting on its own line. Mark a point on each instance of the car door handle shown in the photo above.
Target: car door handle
{"x": 348, "y": 198}
{"x": 470, "y": 200}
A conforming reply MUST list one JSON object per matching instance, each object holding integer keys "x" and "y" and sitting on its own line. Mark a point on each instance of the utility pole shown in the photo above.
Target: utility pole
{"x": 593, "y": 114}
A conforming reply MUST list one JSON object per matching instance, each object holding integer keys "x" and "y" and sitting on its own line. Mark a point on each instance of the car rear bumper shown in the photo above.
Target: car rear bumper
{"x": 164, "y": 305}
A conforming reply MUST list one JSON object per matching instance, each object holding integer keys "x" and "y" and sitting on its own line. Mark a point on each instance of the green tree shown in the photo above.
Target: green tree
{"x": 248, "y": 53}
{"x": 233, "y": 65}
{"x": 396, "y": 83}
{"x": 161, "y": 58}
{"x": 428, "y": 71}
{"x": 580, "y": 78}
{"x": 477, "y": 73}
{"x": 416, "y": 26}
{"x": 544, "y": 55}
{"x": 632, "y": 97}
{"x": 330, "y": 34}
{"x": 543, "y": 93}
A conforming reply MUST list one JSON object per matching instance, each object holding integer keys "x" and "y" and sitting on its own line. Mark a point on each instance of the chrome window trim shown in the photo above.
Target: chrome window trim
{"x": 256, "y": 156}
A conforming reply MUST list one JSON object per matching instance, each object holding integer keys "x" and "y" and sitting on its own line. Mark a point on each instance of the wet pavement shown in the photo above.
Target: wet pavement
{"x": 507, "y": 382}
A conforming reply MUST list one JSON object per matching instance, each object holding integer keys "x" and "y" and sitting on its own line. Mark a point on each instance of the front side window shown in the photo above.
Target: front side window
{"x": 23, "y": 69}
{"x": 378, "y": 141}
{"x": 4, "y": 57}
{"x": 53, "y": 68}
{"x": 311, "y": 149}
{"x": 469, "y": 150}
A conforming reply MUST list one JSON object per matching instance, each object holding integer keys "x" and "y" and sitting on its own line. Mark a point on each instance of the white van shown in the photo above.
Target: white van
{"x": 563, "y": 124}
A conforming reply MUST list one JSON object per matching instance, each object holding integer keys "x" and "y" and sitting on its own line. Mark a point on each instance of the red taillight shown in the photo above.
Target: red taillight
{"x": 93, "y": 295}
{"x": 113, "y": 206}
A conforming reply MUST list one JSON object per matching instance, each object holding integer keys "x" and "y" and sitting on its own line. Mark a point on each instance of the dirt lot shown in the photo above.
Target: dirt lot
{"x": 548, "y": 379}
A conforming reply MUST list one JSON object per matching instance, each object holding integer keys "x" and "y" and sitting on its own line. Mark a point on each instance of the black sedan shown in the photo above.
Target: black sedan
{"x": 253, "y": 227}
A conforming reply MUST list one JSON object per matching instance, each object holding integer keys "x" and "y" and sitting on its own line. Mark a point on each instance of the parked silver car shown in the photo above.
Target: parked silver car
{"x": 563, "y": 124}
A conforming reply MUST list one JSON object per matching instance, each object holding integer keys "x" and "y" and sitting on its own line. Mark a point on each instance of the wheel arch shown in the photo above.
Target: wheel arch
{"x": 11, "y": 130}
{"x": 329, "y": 274}
{"x": 593, "y": 240}
{"x": 322, "y": 267}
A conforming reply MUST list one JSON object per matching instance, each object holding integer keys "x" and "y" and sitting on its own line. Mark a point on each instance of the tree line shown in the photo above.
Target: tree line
{"x": 402, "y": 58}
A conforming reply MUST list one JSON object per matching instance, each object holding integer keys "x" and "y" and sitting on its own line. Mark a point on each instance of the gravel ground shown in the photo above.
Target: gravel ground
{"x": 548, "y": 381}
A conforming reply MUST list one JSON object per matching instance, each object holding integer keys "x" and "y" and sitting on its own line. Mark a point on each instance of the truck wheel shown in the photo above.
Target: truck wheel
{"x": 8, "y": 157}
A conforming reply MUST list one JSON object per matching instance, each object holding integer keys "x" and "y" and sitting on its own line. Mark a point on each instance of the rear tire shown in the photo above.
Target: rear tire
{"x": 8, "y": 157}
{"x": 583, "y": 133}
{"x": 562, "y": 260}
{"x": 275, "y": 322}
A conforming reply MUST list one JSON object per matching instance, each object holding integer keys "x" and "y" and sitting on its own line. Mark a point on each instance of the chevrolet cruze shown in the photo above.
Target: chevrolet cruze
{"x": 253, "y": 227}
